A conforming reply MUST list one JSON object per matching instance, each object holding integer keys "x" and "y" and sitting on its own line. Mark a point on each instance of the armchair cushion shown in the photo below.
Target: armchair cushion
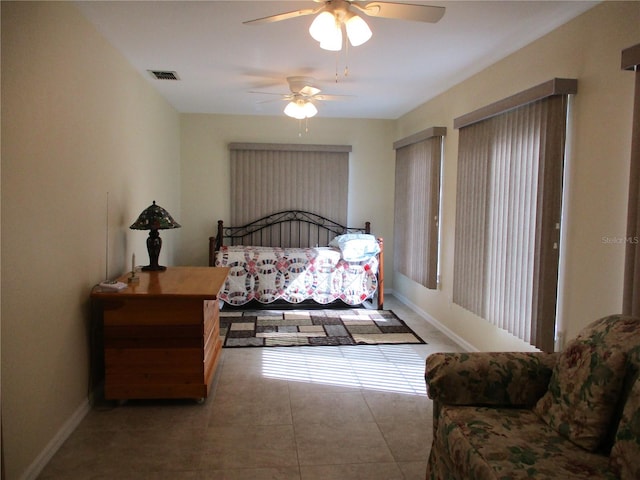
{"x": 626, "y": 449}
{"x": 507, "y": 443}
{"x": 587, "y": 382}
{"x": 489, "y": 378}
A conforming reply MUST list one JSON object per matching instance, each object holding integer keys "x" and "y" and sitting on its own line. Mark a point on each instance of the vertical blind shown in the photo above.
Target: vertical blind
{"x": 268, "y": 178}
{"x": 417, "y": 206}
{"x": 631, "y": 294}
{"x": 508, "y": 206}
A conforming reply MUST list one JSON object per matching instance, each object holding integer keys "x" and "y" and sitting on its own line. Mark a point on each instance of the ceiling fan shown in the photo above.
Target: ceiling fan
{"x": 304, "y": 94}
{"x": 333, "y": 14}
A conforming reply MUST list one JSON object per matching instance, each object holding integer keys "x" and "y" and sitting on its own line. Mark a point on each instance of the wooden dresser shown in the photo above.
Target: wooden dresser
{"x": 162, "y": 335}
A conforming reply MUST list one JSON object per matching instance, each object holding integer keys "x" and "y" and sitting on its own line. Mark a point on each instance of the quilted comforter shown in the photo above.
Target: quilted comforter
{"x": 267, "y": 274}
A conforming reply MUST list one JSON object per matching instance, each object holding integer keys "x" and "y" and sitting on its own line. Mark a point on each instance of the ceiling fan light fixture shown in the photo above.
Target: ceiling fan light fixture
{"x": 357, "y": 30}
{"x": 293, "y": 110}
{"x": 322, "y": 25}
{"x": 300, "y": 109}
{"x": 310, "y": 110}
{"x": 327, "y": 29}
{"x": 332, "y": 42}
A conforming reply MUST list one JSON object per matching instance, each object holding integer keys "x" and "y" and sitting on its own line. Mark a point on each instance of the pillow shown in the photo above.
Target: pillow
{"x": 626, "y": 449}
{"x": 356, "y": 247}
{"x": 587, "y": 381}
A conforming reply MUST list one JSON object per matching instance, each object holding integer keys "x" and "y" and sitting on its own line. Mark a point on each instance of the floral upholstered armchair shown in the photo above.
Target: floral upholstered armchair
{"x": 568, "y": 415}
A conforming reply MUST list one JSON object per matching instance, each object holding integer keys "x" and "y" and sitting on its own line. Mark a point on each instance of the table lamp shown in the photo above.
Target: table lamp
{"x": 154, "y": 218}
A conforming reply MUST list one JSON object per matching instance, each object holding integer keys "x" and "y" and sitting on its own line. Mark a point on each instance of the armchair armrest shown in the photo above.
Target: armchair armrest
{"x": 489, "y": 378}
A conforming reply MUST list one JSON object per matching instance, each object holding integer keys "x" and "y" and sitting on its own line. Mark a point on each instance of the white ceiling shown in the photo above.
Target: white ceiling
{"x": 219, "y": 60}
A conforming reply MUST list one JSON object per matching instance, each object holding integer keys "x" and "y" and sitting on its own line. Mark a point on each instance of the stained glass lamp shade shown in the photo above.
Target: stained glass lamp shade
{"x": 154, "y": 218}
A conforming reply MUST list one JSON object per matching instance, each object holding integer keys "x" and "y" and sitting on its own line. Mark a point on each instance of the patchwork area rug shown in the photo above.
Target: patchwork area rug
{"x": 279, "y": 328}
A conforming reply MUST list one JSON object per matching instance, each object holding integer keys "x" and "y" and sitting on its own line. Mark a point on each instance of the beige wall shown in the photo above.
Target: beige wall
{"x": 77, "y": 121}
{"x": 588, "y": 49}
{"x": 205, "y": 170}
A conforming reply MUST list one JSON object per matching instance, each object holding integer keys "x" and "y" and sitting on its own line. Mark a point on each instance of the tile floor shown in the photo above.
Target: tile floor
{"x": 352, "y": 412}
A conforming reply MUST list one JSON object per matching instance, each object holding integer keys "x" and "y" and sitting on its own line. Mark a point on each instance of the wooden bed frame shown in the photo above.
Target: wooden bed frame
{"x": 293, "y": 229}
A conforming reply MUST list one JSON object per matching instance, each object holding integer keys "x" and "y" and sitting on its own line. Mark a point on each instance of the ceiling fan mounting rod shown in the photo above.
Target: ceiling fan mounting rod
{"x": 339, "y": 9}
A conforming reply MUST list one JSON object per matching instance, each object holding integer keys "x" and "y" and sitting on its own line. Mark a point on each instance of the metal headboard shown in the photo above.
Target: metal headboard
{"x": 290, "y": 228}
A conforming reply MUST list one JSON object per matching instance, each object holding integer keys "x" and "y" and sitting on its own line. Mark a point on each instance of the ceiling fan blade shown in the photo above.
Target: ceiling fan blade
{"x": 402, "y": 11}
{"x": 309, "y": 91}
{"x": 302, "y": 85}
{"x": 271, "y": 100}
{"x": 270, "y": 93}
{"x": 281, "y": 96}
{"x": 323, "y": 97}
{"x": 284, "y": 16}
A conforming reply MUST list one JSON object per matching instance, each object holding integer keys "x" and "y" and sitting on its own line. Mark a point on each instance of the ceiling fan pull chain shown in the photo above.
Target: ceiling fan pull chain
{"x": 345, "y": 72}
{"x": 346, "y": 58}
{"x": 306, "y": 126}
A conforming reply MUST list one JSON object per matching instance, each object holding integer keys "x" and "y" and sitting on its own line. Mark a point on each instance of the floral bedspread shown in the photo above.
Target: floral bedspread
{"x": 321, "y": 274}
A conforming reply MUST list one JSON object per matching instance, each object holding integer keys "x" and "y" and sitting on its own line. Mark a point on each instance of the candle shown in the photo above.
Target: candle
{"x": 133, "y": 263}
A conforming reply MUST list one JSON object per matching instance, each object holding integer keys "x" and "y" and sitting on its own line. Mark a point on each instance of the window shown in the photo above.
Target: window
{"x": 631, "y": 294}
{"x": 417, "y": 206}
{"x": 268, "y": 178}
{"x": 508, "y": 207}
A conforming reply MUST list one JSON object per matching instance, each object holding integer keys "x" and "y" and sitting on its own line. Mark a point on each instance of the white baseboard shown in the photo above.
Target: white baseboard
{"x": 36, "y": 467}
{"x": 453, "y": 336}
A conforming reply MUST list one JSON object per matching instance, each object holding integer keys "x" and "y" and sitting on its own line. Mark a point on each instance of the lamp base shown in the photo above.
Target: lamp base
{"x": 153, "y": 268}
{"x": 154, "y": 244}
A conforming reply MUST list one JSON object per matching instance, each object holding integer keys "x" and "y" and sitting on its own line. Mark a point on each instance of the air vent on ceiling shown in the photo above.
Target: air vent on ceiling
{"x": 164, "y": 75}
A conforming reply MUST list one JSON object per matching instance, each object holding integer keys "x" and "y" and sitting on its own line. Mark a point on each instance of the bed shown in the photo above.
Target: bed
{"x": 297, "y": 257}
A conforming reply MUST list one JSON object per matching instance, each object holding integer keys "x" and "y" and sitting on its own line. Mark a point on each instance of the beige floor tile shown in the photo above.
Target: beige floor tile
{"x": 413, "y": 470}
{"x": 165, "y": 448}
{"x": 83, "y": 454}
{"x": 310, "y": 366}
{"x": 162, "y": 449}
{"x": 408, "y": 442}
{"x": 331, "y": 444}
{"x": 231, "y": 373}
{"x": 274, "y": 473}
{"x": 135, "y": 414}
{"x": 249, "y": 389}
{"x": 306, "y": 388}
{"x": 272, "y": 410}
{"x": 232, "y": 447}
{"x": 121, "y": 474}
{"x": 334, "y": 407}
{"x": 175, "y": 475}
{"x": 366, "y": 471}
{"x": 388, "y": 407}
